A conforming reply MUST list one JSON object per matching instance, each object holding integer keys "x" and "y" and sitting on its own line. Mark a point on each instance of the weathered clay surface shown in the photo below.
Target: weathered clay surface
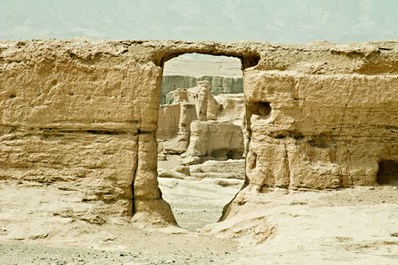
{"x": 323, "y": 131}
{"x": 218, "y": 84}
{"x": 230, "y": 169}
{"x": 200, "y": 135}
{"x": 214, "y": 140}
{"x": 84, "y": 115}
{"x": 206, "y": 106}
{"x": 177, "y": 143}
{"x": 232, "y": 108}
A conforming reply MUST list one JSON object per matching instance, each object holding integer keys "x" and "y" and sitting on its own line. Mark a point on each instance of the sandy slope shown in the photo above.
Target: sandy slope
{"x": 32, "y": 232}
{"x": 351, "y": 226}
{"x": 196, "y": 203}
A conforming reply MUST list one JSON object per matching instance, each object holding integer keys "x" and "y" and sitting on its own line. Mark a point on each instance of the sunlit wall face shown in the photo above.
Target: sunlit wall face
{"x": 288, "y": 21}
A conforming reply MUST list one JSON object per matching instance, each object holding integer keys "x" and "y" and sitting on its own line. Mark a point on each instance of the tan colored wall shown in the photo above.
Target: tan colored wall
{"x": 169, "y": 119}
{"x": 323, "y": 131}
{"x": 215, "y": 140}
{"x": 80, "y": 116}
{"x": 83, "y": 115}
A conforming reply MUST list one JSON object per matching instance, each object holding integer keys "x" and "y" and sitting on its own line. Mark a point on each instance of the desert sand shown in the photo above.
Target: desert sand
{"x": 350, "y": 226}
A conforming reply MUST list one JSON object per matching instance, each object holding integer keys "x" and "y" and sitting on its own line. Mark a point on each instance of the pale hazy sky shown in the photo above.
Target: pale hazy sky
{"x": 288, "y": 21}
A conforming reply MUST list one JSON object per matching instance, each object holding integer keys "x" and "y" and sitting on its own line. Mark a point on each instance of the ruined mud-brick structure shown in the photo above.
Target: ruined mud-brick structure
{"x": 193, "y": 125}
{"x": 83, "y": 116}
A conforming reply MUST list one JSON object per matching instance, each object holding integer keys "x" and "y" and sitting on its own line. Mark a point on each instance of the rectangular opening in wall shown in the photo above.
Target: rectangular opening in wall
{"x": 200, "y": 136}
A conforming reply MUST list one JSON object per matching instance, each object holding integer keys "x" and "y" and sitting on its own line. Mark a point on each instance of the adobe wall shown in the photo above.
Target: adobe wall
{"x": 82, "y": 115}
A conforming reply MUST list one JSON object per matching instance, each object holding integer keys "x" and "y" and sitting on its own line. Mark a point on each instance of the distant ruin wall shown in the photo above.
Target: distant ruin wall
{"x": 218, "y": 84}
{"x": 83, "y": 115}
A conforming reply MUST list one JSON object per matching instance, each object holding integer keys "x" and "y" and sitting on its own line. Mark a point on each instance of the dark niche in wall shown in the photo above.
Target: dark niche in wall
{"x": 388, "y": 173}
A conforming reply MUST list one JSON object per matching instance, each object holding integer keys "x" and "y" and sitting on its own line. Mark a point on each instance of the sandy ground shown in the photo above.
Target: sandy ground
{"x": 196, "y": 202}
{"x": 351, "y": 226}
{"x": 203, "y": 200}
{"x": 33, "y": 232}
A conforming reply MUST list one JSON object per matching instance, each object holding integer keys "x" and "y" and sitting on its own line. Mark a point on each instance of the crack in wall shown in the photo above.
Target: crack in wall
{"x": 287, "y": 165}
{"x": 135, "y": 169}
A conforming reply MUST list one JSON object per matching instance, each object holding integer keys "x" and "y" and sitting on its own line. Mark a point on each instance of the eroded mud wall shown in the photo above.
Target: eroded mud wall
{"x": 322, "y": 131}
{"x": 83, "y": 115}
